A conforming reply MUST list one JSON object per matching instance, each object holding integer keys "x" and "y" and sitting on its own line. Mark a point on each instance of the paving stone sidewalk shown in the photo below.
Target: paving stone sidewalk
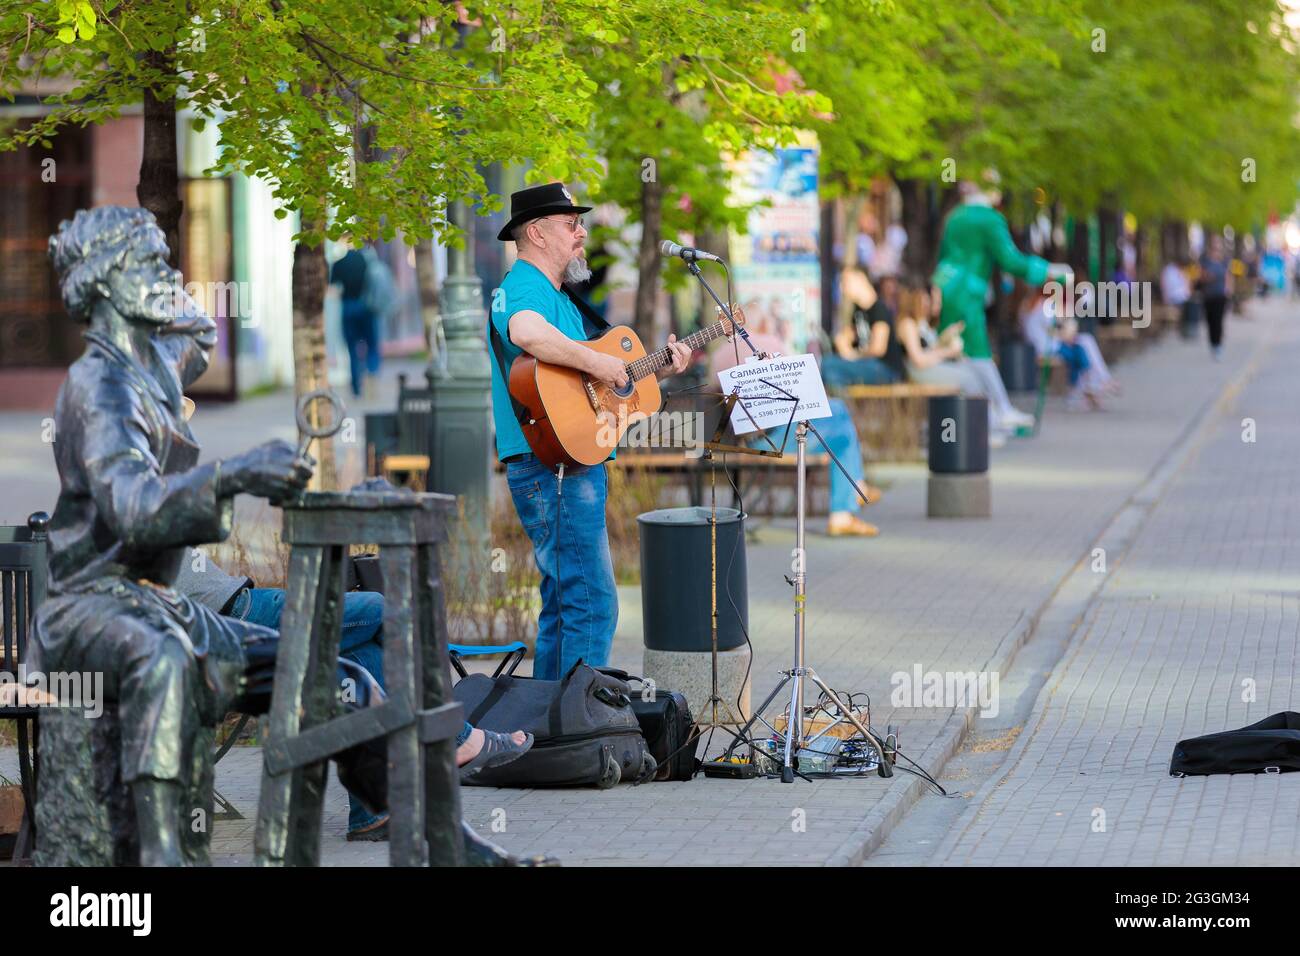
{"x": 945, "y": 595}
{"x": 950, "y": 596}
{"x": 1196, "y": 631}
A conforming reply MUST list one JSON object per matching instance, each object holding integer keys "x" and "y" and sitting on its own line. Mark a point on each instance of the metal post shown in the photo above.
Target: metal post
{"x": 794, "y": 722}
{"x": 460, "y": 447}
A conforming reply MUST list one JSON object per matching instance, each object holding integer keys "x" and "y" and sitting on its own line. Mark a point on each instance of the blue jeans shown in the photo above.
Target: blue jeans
{"x": 838, "y": 372}
{"x": 360, "y": 328}
{"x": 1075, "y": 359}
{"x": 841, "y": 437}
{"x": 361, "y": 642}
{"x": 579, "y": 598}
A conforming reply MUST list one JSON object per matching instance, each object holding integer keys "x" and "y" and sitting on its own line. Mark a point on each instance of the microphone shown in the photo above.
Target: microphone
{"x": 686, "y": 253}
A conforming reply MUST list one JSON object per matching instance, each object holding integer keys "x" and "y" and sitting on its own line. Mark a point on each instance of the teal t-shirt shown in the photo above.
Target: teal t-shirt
{"x": 524, "y": 289}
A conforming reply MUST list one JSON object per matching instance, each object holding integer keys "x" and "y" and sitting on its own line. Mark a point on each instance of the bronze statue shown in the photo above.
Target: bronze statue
{"x": 132, "y": 786}
{"x": 133, "y": 498}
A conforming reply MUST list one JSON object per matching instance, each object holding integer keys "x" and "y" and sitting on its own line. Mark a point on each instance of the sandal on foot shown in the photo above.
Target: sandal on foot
{"x": 498, "y": 750}
{"x": 873, "y": 494}
{"x": 375, "y": 833}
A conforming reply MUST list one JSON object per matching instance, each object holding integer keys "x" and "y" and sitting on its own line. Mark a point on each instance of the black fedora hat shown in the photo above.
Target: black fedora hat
{"x": 536, "y": 202}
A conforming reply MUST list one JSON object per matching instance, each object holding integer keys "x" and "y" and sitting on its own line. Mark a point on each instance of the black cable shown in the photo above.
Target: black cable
{"x": 559, "y": 584}
{"x": 740, "y": 502}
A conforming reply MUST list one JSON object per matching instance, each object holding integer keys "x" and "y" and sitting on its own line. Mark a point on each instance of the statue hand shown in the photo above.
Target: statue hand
{"x": 272, "y": 471}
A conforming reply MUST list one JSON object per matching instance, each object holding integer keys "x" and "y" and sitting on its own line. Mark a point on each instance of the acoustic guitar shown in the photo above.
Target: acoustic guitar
{"x": 573, "y": 419}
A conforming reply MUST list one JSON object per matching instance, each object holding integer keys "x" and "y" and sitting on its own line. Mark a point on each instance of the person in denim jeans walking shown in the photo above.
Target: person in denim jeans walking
{"x": 531, "y": 313}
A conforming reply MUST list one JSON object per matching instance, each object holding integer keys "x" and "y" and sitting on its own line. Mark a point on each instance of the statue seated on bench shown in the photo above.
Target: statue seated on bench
{"x": 132, "y": 500}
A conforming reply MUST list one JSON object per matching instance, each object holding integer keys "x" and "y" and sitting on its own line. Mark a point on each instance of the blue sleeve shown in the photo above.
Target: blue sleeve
{"x": 507, "y": 301}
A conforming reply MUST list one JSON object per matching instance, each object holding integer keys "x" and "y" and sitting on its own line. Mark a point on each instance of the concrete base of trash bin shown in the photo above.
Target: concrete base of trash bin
{"x": 959, "y": 496}
{"x": 690, "y": 673}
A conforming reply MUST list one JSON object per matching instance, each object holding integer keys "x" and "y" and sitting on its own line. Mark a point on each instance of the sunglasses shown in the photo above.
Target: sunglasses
{"x": 573, "y": 224}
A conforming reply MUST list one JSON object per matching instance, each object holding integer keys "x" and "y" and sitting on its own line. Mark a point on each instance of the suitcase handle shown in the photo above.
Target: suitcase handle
{"x": 611, "y": 698}
{"x": 621, "y": 674}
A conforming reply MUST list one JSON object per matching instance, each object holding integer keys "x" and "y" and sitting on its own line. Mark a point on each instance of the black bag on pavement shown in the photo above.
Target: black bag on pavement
{"x": 1270, "y": 746}
{"x": 667, "y": 726}
{"x": 584, "y": 728}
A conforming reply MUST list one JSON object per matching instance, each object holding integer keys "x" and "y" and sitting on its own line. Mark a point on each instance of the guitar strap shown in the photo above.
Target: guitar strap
{"x": 592, "y": 324}
{"x": 499, "y": 352}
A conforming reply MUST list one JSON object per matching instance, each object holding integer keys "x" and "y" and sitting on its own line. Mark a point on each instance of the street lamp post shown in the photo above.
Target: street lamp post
{"x": 460, "y": 384}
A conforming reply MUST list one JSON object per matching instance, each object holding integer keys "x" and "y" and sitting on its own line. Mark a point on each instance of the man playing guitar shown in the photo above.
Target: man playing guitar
{"x": 563, "y": 513}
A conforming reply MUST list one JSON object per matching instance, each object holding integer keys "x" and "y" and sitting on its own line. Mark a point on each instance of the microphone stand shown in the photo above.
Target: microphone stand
{"x": 693, "y": 268}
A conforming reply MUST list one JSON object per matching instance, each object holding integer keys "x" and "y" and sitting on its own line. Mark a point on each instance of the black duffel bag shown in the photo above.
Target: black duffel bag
{"x": 583, "y": 726}
{"x": 1270, "y": 746}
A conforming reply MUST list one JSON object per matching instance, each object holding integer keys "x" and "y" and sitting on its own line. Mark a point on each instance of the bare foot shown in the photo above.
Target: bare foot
{"x": 470, "y": 748}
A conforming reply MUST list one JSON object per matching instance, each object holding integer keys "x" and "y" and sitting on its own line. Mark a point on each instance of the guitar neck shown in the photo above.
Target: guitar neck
{"x": 654, "y": 361}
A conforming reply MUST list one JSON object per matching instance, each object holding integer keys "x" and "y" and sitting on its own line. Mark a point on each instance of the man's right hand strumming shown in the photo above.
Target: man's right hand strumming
{"x": 608, "y": 369}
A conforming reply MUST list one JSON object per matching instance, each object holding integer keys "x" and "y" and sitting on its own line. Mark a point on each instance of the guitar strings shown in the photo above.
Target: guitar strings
{"x": 663, "y": 357}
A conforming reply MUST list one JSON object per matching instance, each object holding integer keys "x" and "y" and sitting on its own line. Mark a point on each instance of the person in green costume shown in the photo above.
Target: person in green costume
{"x": 976, "y": 237}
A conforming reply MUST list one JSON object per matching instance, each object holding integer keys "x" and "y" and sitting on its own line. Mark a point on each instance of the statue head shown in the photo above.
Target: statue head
{"x": 119, "y": 255}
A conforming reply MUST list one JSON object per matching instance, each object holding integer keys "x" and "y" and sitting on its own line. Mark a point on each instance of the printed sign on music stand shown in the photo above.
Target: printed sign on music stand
{"x": 767, "y": 388}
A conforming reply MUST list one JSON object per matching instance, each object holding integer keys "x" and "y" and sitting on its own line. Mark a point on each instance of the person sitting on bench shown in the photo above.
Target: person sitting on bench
{"x": 1052, "y": 335}
{"x": 933, "y": 359}
{"x": 866, "y": 350}
{"x": 206, "y": 583}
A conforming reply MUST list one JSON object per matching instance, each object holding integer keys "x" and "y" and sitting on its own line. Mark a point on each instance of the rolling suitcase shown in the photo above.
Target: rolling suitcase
{"x": 667, "y": 726}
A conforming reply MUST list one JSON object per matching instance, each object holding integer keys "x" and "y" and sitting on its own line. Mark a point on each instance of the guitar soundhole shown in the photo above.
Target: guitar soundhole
{"x": 625, "y": 391}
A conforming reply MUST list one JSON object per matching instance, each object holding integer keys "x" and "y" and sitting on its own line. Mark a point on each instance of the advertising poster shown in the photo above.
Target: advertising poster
{"x": 776, "y": 266}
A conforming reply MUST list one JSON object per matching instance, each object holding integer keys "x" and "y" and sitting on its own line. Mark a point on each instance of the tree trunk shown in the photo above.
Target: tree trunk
{"x": 1078, "y": 256}
{"x": 159, "y": 187}
{"x": 310, "y": 369}
{"x": 717, "y": 242}
{"x": 826, "y": 259}
{"x": 426, "y": 281}
{"x": 1173, "y": 241}
{"x": 843, "y": 307}
{"x": 917, "y": 266}
{"x": 648, "y": 262}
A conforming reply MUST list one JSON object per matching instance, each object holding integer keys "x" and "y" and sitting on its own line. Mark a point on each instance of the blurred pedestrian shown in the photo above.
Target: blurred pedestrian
{"x": 1176, "y": 291}
{"x": 1215, "y": 286}
{"x": 355, "y": 275}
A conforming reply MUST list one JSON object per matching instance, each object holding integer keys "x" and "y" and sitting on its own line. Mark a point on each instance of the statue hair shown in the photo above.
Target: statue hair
{"x": 87, "y": 248}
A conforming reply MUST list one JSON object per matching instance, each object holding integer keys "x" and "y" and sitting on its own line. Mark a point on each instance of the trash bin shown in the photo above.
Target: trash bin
{"x": 676, "y": 603}
{"x": 958, "y": 486}
{"x": 959, "y": 434}
{"x": 1018, "y": 363}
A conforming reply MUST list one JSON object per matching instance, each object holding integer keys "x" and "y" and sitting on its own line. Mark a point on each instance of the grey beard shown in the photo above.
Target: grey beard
{"x": 577, "y": 270}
